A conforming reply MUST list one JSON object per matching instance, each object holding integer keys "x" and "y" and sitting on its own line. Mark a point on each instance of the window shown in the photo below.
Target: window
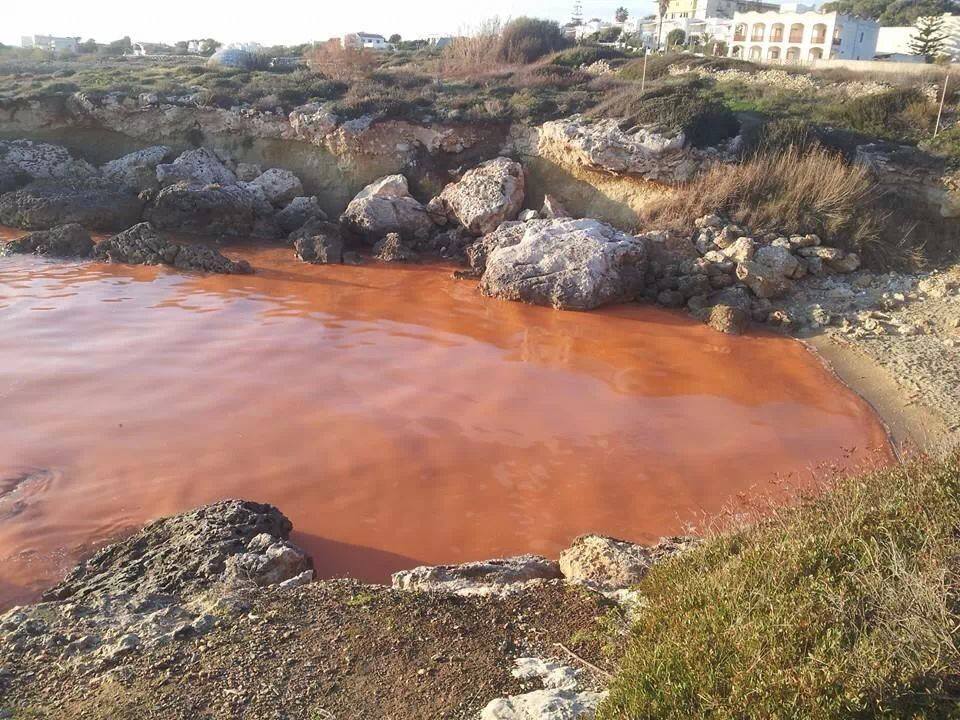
{"x": 776, "y": 33}
{"x": 756, "y": 53}
{"x": 796, "y": 33}
{"x": 758, "y": 31}
{"x": 815, "y": 53}
{"x": 774, "y": 53}
{"x": 736, "y": 51}
{"x": 740, "y": 33}
{"x": 793, "y": 54}
{"x": 819, "y": 35}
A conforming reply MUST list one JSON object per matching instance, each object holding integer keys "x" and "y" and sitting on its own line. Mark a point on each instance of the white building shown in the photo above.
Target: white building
{"x": 51, "y": 43}
{"x": 592, "y": 27}
{"x": 802, "y": 35}
{"x": 894, "y": 42}
{"x": 365, "y": 41}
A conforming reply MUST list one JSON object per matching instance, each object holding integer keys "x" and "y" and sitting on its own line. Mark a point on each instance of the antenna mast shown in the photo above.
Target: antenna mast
{"x": 577, "y": 13}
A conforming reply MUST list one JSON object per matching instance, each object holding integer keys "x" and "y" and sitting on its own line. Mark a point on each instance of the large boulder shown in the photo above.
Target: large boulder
{"x": 196, "y": 166}
{"x": 137, "y": 170}
{"x": 64, "y": 241}
{"x": 487, "y": 577}
{"x": 43, "y": 161}
{"x": 140, "y": 245}
{"x": 320, "y": 243}
{"x": 567, "y": 264}
{"x": 208, "y": 209}
{"x": 11, "y": 178}
{"x": 279, "y": 186}
{"x": 611, "y": 564}
{"x": 180, "y": 555}
{"x": 95, "y": 203}
{"x": 386, "y": 206}
{"x": 299, "y": 212}
{"x": 393, "y": 248}
{"x": 484, "y": 198}
{"x": 763, "y": 281}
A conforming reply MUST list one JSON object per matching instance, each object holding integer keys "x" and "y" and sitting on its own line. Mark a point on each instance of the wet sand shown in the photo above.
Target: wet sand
{"x": 394, "y": 414}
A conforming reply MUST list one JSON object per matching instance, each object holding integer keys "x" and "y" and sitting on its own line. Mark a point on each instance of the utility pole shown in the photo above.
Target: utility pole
{"x": 577, "y": 13}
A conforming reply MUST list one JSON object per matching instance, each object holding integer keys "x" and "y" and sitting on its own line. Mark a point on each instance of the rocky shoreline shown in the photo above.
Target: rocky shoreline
{"x": 176, "y": 594}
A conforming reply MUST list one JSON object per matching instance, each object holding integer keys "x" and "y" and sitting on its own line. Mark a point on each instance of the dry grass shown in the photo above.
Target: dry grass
{"x": 842, "y": 606}
{"x": 474, "y": 54}
{"x": 790, "y": 189}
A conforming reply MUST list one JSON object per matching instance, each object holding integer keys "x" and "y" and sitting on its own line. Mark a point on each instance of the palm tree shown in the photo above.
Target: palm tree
{"x": 622, "y": 14}
{"x": 662, "y": 5}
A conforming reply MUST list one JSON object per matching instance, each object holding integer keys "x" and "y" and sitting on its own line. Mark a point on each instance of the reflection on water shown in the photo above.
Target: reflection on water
{"x": 396, "y": 416}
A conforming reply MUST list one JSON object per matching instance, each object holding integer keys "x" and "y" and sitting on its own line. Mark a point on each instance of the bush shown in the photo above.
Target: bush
{"x": 881, "y": 114}
{"x": 846, "y": 606}
{"x": 676, "y": 37}
{"x": 703, "y": 120}
{"x": 527, "y": 39}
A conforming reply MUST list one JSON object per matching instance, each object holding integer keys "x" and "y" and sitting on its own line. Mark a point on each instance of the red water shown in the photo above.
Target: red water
{"x": 395, "y": 415}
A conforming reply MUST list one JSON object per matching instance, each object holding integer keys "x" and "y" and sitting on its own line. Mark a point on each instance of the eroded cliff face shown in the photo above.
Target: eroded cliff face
{"x": 334, "y": 158}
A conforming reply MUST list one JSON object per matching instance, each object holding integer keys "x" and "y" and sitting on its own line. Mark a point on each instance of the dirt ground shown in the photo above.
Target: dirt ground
{"x": 313, "y": 653}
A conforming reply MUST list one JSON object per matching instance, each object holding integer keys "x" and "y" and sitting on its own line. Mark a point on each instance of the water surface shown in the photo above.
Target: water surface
{"x": 394, "y": 414}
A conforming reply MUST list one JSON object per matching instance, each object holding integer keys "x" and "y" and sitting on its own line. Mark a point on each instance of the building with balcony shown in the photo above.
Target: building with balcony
{"x": 802, "y": 35}
{"x": 51, "y": 43}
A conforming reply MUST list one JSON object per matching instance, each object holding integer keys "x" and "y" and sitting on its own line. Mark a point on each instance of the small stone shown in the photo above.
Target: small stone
{"x": 741, "y": 250}
{"x": 728, "y": 319}
{"x": 671, "y": 298}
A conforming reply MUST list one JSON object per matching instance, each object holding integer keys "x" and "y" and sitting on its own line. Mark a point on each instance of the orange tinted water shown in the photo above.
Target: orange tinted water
{"x": 394, "y": 414}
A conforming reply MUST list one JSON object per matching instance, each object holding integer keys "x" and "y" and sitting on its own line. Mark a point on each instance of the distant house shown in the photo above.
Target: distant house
{"x": 893, "y": 43}
{"x": 145, "y": 49}
{"x": 365, "y": 41}
{"x": 802, "y": 34}
{"x": 51, "y": 43}
{"x": 199, "y": 47}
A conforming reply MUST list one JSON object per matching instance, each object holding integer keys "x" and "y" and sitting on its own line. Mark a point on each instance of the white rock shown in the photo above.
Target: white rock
{"x": 384, "y": 207}
{"x": 566, "y": 264}
{"x": 43, "y": 160}
{"x": 280, "y": 186}
{"x": 200, "y": 165}
{"x": 485, "y": 197}
{"x": 488, "y": 577}
{"x": 779, "y": 260}
{"x": 138, "y": 169}
{"x": 741, "y": 250}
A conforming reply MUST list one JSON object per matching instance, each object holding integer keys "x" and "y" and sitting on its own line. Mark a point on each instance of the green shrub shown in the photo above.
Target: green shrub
{"x": 527, "y": 39}
{"x": 844, "y": 607}
{"x": 704, "y": 120}
{"x": 881, "y": 114}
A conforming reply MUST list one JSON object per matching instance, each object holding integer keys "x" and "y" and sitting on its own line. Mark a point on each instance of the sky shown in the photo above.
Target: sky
{"x": 288, "y": 22}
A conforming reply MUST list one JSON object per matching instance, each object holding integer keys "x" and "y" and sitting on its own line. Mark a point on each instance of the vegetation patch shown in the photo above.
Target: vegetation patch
{"x": 845, "y": 606}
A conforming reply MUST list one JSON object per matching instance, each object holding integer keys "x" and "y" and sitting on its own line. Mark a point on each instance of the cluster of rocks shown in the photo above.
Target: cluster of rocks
{"x": 561, "y": 697}
{"x": 138, "y": 245}
{"x": 197, "y": 191}
{"x": 598, "y": 562}
{"x": 155, "y": 587}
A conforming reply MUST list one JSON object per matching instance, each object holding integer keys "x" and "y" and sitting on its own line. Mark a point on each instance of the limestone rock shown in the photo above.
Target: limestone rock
{"x": 180, "y": 555}
{"x": 11, "y": 178}
{"x": 190, "y": 207}
{"x": 780, "y": 260}
{"x": 386, "y": 206}
{"x": 65, "y": 241}
{"x": 320, "y": 243}
{"x": 728, "y": 319}
{"x": 246, "y": 172}
{"x": 137, "y": 170}
{"x": 196, "y": 166}
{"x": 95, "y": 203}
{"x": 478, "y": 578}
{"x": 140, "y": 245}
{"x": 741, "y": 250}
{"x": 764, "y": 282}
{"x": 43, "y": 161}
{"x": 486, "y": 196}
{"x": 560, "y": 698}
{"x": 553, "y": 208}
{"x": 268, "y": 560}
{"x": 393, "y": 249}
{"x": 611, "y": 564}
{"x": 646, "y": 152}
{"x": 279, "y": 186}
{"x": 567, "y": 264}
{"x": 299, "y": 212}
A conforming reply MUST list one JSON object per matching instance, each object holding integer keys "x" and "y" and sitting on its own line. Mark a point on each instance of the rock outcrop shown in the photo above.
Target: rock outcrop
{"x": 43, "y": 161}
{"x": 560, "y": 699}
{"x": 137, "y": 170}
{"x": 393, "y": 249}
{"x": 140, "y": 245}
{"x": 95, "y": 203}
{"x": 192, "y": 207}
{"x": 911, "y": 174}
{"x": 65, "y": 241}
{"x": 484, "y": 198}
{"x": 196, "y": 166}
{"x": 567, "y": 264}
{"x": 607, "y": 563}
{"x": 488, "y": 577}
{"x": 319, "y": 242}
{"x": 279, "y": 186}
{"x": 299, "y": 212}
{"x": 386, "y": 206}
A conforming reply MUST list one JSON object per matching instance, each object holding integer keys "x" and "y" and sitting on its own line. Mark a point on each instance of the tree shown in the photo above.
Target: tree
{"x": 662, "y": 6}
{"x": 676, "y": 37}
{"x": 893, "y": 12}
{"x": 622, "y": 14}
{"x": 89, "y": 46}
{"x": 929, "y": 38}
{"x": 395, "y": 39}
